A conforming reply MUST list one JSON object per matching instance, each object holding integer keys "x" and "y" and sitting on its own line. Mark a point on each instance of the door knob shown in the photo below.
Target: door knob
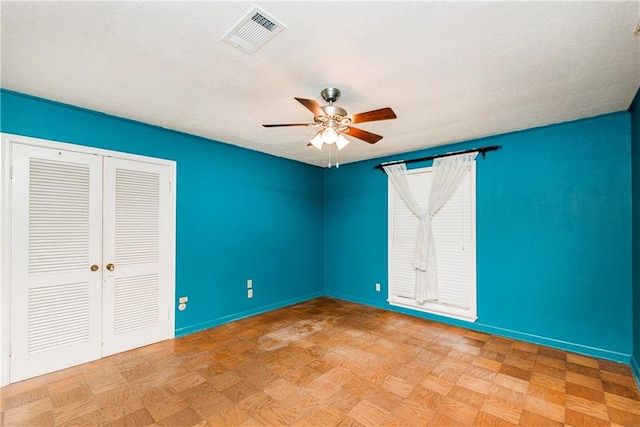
{"x": 94, "y": 267}
{"x": 110, "y": 267}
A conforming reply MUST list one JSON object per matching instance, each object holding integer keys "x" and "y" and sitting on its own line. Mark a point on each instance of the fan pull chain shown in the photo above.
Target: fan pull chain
{"x": 333, "y": 148}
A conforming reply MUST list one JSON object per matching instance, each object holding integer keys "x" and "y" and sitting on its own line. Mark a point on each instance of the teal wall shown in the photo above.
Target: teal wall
{"x": 240, "y": 214}
{"x": 553, "y": 235}
{"x": 635, "y": 165}
{"x": 553, "y": 225}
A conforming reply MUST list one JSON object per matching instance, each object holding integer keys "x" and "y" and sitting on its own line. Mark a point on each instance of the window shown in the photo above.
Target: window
{"x": 455, "y": 240}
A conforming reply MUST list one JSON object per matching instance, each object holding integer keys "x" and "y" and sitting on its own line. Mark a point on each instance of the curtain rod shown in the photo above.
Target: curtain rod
{"x": 481, "y": 150}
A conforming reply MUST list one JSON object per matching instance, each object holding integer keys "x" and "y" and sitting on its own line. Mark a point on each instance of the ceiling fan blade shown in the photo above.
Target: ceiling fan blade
{"x": 369, "y": 137}
{"x": 375, "y": 115}
{"x": 312, "y": 106}
{"x": 289, "y": 124}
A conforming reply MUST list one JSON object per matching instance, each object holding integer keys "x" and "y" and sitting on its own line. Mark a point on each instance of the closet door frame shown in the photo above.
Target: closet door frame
{"x": 5, "y": 231}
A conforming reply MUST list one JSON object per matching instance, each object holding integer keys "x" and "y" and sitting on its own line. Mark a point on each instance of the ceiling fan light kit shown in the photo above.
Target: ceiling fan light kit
{"x": 334, "y": 122}
{"x": 329, "y": 136}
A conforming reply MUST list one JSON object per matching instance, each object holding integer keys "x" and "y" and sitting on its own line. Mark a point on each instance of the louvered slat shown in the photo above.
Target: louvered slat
{"x": 136, "y": 302}
{"x": 137, "y": 217}
{"x": 58, "y": 216}
{"x": 58, "y": 316}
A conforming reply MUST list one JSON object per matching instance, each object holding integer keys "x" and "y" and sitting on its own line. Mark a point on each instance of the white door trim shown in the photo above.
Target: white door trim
{"x": 5, "y": 231}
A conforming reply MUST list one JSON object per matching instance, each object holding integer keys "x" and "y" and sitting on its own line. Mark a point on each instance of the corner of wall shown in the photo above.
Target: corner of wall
{"x": 634, "y": 109}
{"x": 634, "y": 102}
{"x": 635, "y": 369}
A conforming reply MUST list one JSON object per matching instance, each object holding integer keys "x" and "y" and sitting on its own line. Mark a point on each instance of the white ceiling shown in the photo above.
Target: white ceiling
{"x": 451, "y": 71}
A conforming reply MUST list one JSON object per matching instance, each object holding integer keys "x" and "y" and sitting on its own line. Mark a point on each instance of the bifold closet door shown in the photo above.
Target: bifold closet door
{"x": 56, "y": 252}
{"x": 136, "y": 243}
{"x": 90, "y": 257}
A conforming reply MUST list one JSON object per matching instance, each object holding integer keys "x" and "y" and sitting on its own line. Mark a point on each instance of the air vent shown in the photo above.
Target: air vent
{"x": 253, "y": 31}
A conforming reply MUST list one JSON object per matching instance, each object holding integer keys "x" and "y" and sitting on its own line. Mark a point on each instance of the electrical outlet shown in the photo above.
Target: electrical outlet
{"x": 250, "y": 293}
{"x": 249, "y": 283}
{"x": 377, "y": 287}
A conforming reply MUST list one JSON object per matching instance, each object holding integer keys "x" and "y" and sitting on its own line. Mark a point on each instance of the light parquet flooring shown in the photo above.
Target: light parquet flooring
{"x": 328, "y": 362}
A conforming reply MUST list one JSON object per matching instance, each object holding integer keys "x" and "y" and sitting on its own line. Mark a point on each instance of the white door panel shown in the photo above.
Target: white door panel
{"x": 56, "y": 199}
{"x": 136, "y": 242}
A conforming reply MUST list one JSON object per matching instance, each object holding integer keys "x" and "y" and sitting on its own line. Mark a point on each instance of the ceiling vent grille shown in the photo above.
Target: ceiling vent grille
{"x": 253, "y": 31}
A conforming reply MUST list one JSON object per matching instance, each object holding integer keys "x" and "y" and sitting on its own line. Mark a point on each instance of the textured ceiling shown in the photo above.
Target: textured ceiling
{"x": 451, "y": 71}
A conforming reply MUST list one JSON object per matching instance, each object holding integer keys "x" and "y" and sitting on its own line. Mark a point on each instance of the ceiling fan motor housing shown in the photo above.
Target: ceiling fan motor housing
{"x": 332, "y": 110}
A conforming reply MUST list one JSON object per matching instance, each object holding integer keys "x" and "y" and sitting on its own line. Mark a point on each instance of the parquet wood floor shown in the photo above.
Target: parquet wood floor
{"x": 327, "y": 362}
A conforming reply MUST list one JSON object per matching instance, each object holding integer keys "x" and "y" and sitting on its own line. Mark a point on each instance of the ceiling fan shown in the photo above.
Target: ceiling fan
{"x": 334, "y": 121}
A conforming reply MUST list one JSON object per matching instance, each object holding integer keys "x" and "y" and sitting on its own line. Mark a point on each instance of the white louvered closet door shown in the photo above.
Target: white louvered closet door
{"x": 56, "y": 199}
{"x": 136, "y": 241}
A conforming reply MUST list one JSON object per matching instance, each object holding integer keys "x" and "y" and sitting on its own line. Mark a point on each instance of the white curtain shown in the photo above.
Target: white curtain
{"x": 448, "y": 173}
